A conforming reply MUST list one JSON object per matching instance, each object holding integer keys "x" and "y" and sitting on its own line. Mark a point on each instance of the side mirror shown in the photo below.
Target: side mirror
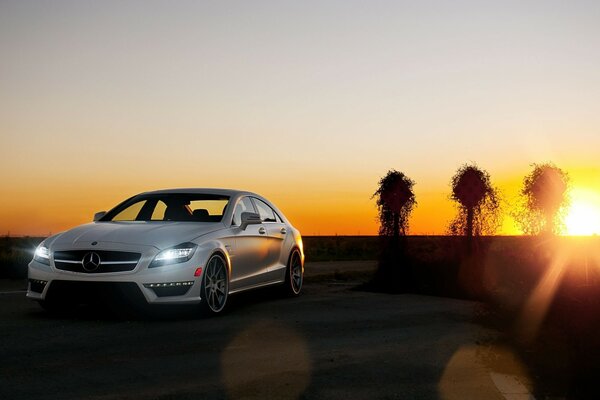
{"x": 99, "y": 215}
{"x": 249, "y": 218}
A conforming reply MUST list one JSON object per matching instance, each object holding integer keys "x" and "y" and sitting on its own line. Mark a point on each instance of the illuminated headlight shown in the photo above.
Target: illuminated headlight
{"x": 174, "y": 255}
{"x": 42, "y": 254}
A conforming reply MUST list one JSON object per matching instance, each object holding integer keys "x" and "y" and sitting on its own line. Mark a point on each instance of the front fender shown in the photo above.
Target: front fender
{"x": 212, "y": 247}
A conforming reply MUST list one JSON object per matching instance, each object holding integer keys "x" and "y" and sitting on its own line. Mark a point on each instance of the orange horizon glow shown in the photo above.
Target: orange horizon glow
{"x": 324, "y": 212}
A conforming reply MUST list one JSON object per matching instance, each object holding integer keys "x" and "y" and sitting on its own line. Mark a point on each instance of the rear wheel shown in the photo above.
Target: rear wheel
{"x": 215, "y": 286}
{"x": 294, "y": 275}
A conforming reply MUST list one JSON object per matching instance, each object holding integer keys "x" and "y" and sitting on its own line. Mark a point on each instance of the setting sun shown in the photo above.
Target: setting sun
{"x": 583, "y": 218}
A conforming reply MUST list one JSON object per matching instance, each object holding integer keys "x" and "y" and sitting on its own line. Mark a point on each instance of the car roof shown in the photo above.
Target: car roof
{"x": 221, "y": 192}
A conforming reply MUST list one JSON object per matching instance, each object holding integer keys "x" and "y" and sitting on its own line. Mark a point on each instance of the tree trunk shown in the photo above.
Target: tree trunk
{"x": 470, "y": 216}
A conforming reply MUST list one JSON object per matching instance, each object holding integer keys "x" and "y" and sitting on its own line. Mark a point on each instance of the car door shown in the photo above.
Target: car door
{"x": 275, "y": 232}
{"x": 249, "y": 258}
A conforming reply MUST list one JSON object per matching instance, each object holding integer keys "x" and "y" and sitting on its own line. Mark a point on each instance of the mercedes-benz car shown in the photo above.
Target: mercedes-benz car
{"x": 179, "y": 246}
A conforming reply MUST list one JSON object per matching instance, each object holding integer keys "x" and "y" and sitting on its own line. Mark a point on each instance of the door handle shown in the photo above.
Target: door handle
{"x": 262, "y": 230}
{"x": 283, "y": 231}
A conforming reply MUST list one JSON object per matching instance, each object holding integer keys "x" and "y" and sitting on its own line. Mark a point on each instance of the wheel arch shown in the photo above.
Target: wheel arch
{"x": 295, "y": 247}
{"x": 223, "y": 254}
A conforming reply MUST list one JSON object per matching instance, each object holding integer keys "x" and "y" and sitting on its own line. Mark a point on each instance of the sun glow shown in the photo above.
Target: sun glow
{"x": 583, "y": 218}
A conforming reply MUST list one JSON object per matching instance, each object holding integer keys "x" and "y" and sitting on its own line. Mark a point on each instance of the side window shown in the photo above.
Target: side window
{"x": 244, "y": 205}
{"x": 159, "y": 211}
{"x": 130, "y": 213}
{"x": 266, "y": 213}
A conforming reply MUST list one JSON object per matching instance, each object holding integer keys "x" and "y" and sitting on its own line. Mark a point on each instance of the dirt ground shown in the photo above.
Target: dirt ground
{"x": 332, "y": 342}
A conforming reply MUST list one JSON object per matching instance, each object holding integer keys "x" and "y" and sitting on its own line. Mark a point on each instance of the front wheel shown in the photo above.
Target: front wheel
{"x": 294, "y": 275}
{"x": 215, "y": 286}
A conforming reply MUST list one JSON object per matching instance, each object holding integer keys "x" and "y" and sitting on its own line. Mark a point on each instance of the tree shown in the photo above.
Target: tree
{"x": 478, "y": 201}
{"x": 545, "y": 193}
{"x": 395, "y": 201}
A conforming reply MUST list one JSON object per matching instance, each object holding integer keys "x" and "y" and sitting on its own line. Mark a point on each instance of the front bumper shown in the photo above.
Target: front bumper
{"x": 169, "y": 284}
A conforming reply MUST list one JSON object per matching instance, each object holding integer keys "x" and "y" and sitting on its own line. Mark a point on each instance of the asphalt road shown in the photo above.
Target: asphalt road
{"x": 332, "y": 342}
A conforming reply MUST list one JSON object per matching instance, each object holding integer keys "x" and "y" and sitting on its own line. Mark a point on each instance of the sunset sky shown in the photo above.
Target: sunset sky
{"x": 308, "y": 103}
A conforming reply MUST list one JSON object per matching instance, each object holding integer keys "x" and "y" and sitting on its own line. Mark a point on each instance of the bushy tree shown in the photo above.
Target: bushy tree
{"x": 395, "y": 202}
{"x": 545, "y": 200}
{"x": 478, "y": 202}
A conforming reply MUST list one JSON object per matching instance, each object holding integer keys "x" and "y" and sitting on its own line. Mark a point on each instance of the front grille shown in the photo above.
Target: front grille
{"x": 96, "y": 261}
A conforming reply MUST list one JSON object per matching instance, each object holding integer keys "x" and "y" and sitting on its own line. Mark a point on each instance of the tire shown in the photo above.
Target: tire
{"x": 214, "y": 290}
{"x": 294, "y": 275}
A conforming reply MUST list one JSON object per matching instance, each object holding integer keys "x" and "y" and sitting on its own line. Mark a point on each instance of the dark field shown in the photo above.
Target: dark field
{"x": 15, "y": 254}
{"x": 541, "y": 293}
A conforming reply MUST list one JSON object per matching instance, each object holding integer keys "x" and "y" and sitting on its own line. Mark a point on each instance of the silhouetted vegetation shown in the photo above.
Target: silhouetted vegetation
{"x": 545, "y": 200}
{"x": 395, "y": 201}
{"x": 478, "y": 214}
{"x": 479, "y": 205}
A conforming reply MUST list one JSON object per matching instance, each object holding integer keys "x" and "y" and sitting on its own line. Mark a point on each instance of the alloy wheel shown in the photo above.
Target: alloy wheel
{"x": 215, "y": 284}
{"x": 295, "y": 273}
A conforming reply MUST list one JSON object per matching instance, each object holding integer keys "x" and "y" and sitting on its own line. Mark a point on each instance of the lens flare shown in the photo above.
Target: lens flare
{"x": 583, "y": 218}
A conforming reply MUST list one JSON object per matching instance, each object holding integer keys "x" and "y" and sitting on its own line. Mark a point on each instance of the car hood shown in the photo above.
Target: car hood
{"x": 157, "y": 233}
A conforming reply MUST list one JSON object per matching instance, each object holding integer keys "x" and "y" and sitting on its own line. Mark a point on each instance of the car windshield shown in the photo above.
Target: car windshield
{"x": 170, "y": 207}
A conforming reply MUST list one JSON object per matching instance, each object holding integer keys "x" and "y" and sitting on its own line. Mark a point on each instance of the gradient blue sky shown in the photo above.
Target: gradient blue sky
{"x": 308, "y": 103}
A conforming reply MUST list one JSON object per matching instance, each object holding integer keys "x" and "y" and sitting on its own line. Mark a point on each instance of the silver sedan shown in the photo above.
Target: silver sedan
{"x": 180, "y": 246}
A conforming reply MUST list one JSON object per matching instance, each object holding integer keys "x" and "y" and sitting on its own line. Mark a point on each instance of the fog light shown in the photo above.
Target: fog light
{"x": 36, "y": 285}
{"x": 167, "y": 284}
{"x": 164, "y": 289}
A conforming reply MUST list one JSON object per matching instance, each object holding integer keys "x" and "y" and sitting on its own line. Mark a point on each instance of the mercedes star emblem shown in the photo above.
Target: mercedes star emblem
{"x": 91, "y": 262}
